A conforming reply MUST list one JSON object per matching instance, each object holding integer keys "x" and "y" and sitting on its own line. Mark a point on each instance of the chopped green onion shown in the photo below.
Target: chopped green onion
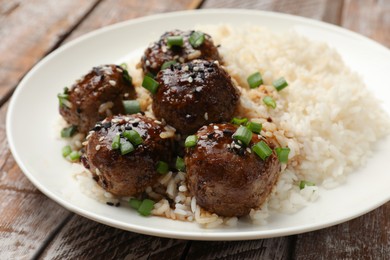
{"x": 243, "y": 134}
{"x": 255, "y": 80}
{"x": 303, "y": 184}
{"x": 64, "y": 100}
{"x": 133, "y": 136}
{"x": 126, "y": 147}
{"x": 176, "y": 40}
{"x": 146, "y": 207}
{"x": 116, "y": 142}
{"x": 131, "y": 106}
{"x": 127, "y": 77}
{"x": 191, "y": 141}
{"x": 262, "y": 150}
{"x": 124, "y": 65}
{"x": 280, "y": 84}
{"x": 239, "y": 121}
{"x": 168, "y": 64}
{"x": 196, "y": 39}
{"x": 66, "y": 150}
{"x": 282, "y": 154}
{"x": 134, "y": 203}
{"x": 150, "y": 84}
{"x": 162, "y": 167}
{"x": 74, "y": 156}
{"x": 254, "y": 127}
{"x": 68, "y": 131}
{"x": 269, "y": 101}
{"x": 180, "y": 165}
{"x": 66, "y": 90}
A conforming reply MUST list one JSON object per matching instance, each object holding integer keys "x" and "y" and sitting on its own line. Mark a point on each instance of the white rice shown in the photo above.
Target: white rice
{"x": 319, "y": 116}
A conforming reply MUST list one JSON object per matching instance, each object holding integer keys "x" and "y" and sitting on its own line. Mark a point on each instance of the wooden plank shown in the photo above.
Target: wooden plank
{"x": 28, "y": 30}
{"x": 28, "y": 217}
{"x": 367, "y": 237}
{"x": 129, "y": 10}
{"x": 274, "y": 248}
{"x": 368, "y": 17}
{"x": 325, "y": 10}
{"x": 85, "y": 239}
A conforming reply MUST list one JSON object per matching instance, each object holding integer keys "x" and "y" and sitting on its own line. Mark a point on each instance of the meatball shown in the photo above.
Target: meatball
{"x": 131, "y": 173}
{"x": 194, "y": 94}
{"x": 159, "y": 52}
{"x": 96, "y": 96}
{"x": 226, "y": 177}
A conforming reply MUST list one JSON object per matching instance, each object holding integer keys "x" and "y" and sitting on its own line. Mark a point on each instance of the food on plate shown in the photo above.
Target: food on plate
{"x": 224, "y": 172}
{"x": 95, "y": 96}
{"x": 194, "y": 94}
{"x": 125, "y": 153}
{"x": 280, "y": 118}
{"x": 178, "y": 47}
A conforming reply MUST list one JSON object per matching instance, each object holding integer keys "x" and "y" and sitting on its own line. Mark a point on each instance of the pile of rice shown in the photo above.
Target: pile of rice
{"x": 319, "y": 116}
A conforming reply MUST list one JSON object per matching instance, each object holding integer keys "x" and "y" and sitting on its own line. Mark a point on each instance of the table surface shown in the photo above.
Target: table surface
{"x": 34, "y": 227}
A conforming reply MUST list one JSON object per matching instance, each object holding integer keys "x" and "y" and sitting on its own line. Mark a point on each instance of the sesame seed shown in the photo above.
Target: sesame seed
{"x": 196, "y": 68}
{"x": 147, "y": 63}
{"x": 248, "y": 150}
{"x": 97, "y": 147}
{"x": 237, "y": 146}
{"x": 204, "y": 137}
{"x": 126, "y": 95}
{"x": 190, "y": 79}
{"x": 112, "y": 83}
{"x": 239, "y": 141}
{"x": 77, "y": 90}
{"x": 185, "y": 68}
{"x": 101, "y": 138}
{"x": 206, "y": 116}
{"x": 164, "y": 48}
{"x": 198, "y": 89}
{"x": 181, "y": 59}
{"x": 216, "y": 127}
{"x": 97, "y": 171}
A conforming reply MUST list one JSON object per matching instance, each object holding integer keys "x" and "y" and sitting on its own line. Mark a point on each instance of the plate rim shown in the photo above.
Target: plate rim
{"x": 206, "y": 236}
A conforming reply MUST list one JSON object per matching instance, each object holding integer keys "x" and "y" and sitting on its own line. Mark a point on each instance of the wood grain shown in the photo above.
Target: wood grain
{"x": 28, "y": 30}
{"x": 368, "y": 17}
{"x": 325, "y": 10}
{"x": 274, "y": 248}
{"x": 85, "y": 239}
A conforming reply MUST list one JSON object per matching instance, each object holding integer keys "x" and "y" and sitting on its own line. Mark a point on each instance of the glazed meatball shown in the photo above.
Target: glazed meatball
{"x": 130, "y": 173}
{"x": 194, "y": 94}
{"x": 96, "y": 96}
{"x": 225, "y": 176}
{"x": 159, "y": 52}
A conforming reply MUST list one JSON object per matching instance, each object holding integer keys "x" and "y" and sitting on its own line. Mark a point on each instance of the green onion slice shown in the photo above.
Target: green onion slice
{"x": 135, "y": 203}
{"x": 66, "y": 150}
{"x": 123, "y": 65}
{"x": 131, "y": 106}
{"x": 115, "y": 142}
{"x": 146, "y": 207}
{"x": 162, "y": 167}
{"x": 191, "y": 141}
{"x": 254, "y": 127}
{"x": 126, "y": 147}
{"x": 269, "y": 101}
{"x": 243, "y": 134}
{"x": 282, "y": 154}
{"x": 176, "y": 40}
{"x": 68, "y": 131}
{"x": 255, "y": 80}
{"x": 64, "y": 100}
{"x": 280, "y": 83}
{"x": 150, "y": 84}
{"x": 74, "y": 156}
{"x": 262, "y": 150}
{"x": 180, "y": 165}
{"x": 303, "y": 184}
{"x": 133, "y": 136}
{"x": 168, "y": 64}
{"x": 239, "y": 121}
{"x": 196, "y": 39}
{"x": 127, "y": 77}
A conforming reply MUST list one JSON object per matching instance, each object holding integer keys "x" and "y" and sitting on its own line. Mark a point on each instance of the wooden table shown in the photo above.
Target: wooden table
{"x": 33, "y": 226}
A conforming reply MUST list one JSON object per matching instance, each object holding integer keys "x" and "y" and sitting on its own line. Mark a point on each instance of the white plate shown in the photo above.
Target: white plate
{"x": 33, "y": 111}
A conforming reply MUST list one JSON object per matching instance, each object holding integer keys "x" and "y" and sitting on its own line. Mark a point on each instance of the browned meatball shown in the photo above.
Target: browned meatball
{"x": 159, "y": 52}
{"x": 226, "y": 177}
{"x": 194, "y": 94}
{"x": 131, "y": 173}
{"x": 97, "y": 95}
